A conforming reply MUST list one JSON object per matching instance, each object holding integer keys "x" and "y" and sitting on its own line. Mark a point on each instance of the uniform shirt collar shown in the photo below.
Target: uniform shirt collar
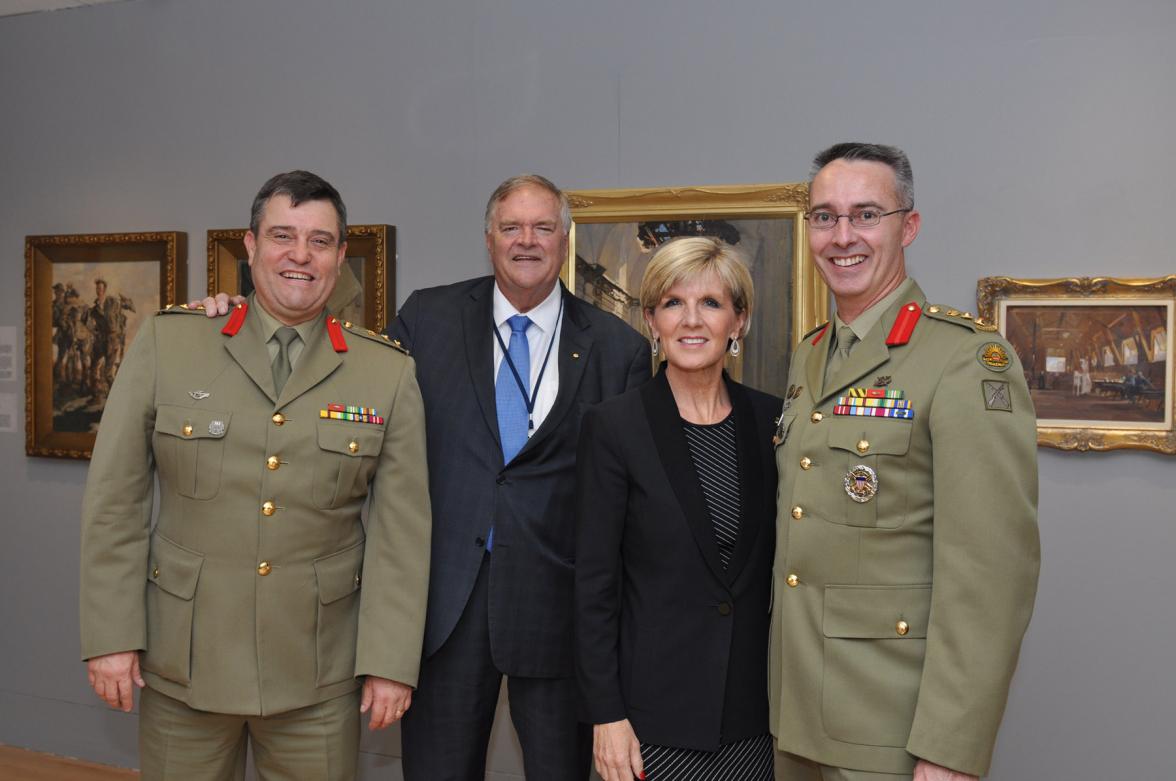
{"x": 270, "y": 324}
{"x": 865, "y": 322}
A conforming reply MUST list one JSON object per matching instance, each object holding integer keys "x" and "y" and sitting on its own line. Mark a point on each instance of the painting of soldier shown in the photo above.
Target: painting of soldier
{"x": 96, "y": 312}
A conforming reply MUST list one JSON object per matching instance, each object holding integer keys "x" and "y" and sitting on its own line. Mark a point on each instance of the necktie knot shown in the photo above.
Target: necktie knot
{"x": 845, "y": 339}
{"x": 519, "y": 324}
{"x": 285, "y": 335}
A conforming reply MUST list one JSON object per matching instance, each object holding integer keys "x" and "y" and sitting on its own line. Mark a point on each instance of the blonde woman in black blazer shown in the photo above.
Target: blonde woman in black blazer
{"x": 675, "y": 537}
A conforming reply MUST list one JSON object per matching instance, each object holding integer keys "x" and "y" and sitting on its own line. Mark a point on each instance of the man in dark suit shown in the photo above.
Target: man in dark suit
{"x": 506, "y": 365}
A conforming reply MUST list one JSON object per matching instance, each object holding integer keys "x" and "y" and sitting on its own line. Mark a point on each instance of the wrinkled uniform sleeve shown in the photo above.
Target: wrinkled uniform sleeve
{"x": 601, "y": 500}
{"x": 116, "y": 510}
{"x": 396, "y": 556}
{"x": 986, "y": 556}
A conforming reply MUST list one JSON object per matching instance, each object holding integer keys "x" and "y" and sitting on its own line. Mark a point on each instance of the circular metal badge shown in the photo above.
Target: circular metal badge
{"x": 216, "y": 428}
{"x": 861, "y": 483}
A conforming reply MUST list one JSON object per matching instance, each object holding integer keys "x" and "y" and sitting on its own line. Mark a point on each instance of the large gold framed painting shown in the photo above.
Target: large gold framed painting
{"x": 85, "y": 299}
{"x": 1097, "y": 354}
{"x": 365, "y": 292}
{"x": 615, "y": 233}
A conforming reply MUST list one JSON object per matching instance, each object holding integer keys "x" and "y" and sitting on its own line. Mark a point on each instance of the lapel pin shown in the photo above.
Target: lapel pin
{"x": 575, "y": 355}
{"x": 198, "y": 395}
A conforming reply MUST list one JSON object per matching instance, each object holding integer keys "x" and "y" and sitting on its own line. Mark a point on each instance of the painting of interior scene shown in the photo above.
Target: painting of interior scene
{"x": 1095, "y": 364}
{"x": 97, "y": 310}
{"x": 611, "y": 260}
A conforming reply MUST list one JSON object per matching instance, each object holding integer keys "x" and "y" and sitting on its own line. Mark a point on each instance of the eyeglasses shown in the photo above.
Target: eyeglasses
{"x": 862, "y": 218}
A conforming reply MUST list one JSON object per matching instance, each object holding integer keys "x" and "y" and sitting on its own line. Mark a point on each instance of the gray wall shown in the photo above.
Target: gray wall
{"x": 1040, "y": 134}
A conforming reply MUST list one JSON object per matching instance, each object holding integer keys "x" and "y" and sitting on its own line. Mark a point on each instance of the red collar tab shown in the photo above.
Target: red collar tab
{"x": 904, "y": 324}
{"x": 820, "y": 333}
{"x": 335, "y": 332}
{"x": 236, "y": 320}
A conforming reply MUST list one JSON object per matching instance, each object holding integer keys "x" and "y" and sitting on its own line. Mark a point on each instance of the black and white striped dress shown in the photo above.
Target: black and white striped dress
{"x": 712, "y": 448}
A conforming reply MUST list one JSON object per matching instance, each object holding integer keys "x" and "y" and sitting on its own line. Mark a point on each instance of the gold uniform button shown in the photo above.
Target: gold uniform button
{"x": 187, "y": 429}
{"x": 863, "y": 446}
{"x": 902, "y": 627}
{"x": 933, "y": 309}
{"x": 806, "y": 463}
{"x": 278, "y": 418}
{"x": 353, "y": 446}
{"x": 792, "y": 580}
{"x": 817, "y": 417}
{"x": 798, "y": 512}
{"x": 358, "y": 580}
{"x": 264, "y": 568}
{"x": 155, "y": 573}
{"x": 268, "y": 508}
{"x": 272, "y": 463}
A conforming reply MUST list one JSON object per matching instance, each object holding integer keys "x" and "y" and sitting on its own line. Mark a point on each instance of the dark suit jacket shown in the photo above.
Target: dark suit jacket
{"x": 664, "y": 635}
{"x": 529, "y": 501}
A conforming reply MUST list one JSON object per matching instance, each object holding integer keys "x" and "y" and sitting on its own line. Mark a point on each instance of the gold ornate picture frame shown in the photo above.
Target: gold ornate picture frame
{"x": 85, "y": 298}
{"x": 615, "y": 232}
{"x": 365, "y": 292}
{"x": 1097, "y": 354}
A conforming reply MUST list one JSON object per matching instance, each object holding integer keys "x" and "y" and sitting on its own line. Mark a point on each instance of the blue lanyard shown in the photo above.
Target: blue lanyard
{"x": 530, "y": 401}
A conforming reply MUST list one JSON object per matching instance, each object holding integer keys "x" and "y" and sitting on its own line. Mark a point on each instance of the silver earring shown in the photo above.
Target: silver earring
{"x": 654, "y": 346}
{"x": 735, "y": 349}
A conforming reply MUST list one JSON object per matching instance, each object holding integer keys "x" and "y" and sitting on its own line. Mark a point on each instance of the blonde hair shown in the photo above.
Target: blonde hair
{"x": 689, "y": 258}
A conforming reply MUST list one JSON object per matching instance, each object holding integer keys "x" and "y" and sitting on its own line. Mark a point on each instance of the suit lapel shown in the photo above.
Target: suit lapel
{"x": 248, "y": 349}
{"x": 317, "y": 362}
{"x": 477, "y": 320}
{"x": 574, "y": 340}
{"x": 751, "y": 478}
{"x": 674, "y": 452}
{"x": 817, "y": 358}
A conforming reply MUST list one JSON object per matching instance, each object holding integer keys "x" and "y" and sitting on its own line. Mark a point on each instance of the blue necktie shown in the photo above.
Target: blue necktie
{"x": 513, "y": 418}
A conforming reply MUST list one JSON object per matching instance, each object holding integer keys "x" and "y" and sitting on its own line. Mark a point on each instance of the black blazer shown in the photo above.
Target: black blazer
{"x": 664, "y": 636}
{"x": 449, "y": 331}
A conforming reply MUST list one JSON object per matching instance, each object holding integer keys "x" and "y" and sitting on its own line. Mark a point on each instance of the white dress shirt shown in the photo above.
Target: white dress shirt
{"x": 546, "y": 324}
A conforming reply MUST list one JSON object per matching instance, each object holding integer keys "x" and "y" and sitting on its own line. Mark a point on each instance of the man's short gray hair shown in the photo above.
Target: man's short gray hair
{"x": 528, "y": 180}
{"x": 904, "y": 177}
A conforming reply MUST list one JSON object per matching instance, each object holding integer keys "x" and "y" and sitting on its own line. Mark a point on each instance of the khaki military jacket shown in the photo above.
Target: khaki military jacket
{"x": 898, "y": 615}
{"x": 257, "y": 590}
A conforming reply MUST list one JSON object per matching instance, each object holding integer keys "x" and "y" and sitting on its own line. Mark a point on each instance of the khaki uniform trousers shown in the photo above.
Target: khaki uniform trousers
{"x": 790, "y": 767}
{"x": 317, "y": 743}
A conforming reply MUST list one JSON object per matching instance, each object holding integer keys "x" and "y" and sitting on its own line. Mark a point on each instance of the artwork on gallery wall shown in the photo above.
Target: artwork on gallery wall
{"x": 85, "y": 298}
{"x": 366, "y": 290}
{"x": 1097, "y": 354}
{"x": 615, "y": 233}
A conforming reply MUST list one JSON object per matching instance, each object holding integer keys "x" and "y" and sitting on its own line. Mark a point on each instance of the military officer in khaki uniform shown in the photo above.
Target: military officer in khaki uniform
{"x": 908, "y": 548}
{"x": 257, "y": 607}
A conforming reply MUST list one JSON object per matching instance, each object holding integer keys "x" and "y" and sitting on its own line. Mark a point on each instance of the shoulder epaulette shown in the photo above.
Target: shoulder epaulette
{"x": 816, "y": 331}
{"x": 184, "y": 309}
{"x": 965, "y": 319}
{"x": 379, "y": 338}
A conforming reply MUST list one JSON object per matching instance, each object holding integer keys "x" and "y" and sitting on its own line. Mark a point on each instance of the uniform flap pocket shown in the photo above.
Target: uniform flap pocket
{"x": 350, "y": 439}
{"x": 191, "y": 422}
{"x": 339, "y": 574}
{"x": 173, "y": 568}
{"x": 877, "y": 611}
{"x": 864, "y": 437}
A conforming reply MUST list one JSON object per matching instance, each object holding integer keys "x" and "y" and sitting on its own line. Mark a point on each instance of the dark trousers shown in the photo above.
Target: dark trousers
{"x": 445, "y": 733}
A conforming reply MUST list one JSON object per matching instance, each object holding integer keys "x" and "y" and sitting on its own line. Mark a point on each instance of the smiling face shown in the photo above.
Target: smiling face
{"x": 860, "y": 265}
{"x": 695, "y": 320}
{"x": 295, "y": 258}
{"x": 527, "y": 245}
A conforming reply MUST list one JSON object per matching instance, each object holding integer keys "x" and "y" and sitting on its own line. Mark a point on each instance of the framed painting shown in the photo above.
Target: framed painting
{"x": 615, "y": 233}
{"x": 85, "y": 298}
{"x": 365, "y": 292}
{"x": 1097, "y": 354}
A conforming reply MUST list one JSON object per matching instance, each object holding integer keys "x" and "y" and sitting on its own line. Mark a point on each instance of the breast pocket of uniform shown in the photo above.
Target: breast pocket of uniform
{"x": 870, "y": 461}
{"x": 189, "y": 446}
{"x": 345, "y": 462}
